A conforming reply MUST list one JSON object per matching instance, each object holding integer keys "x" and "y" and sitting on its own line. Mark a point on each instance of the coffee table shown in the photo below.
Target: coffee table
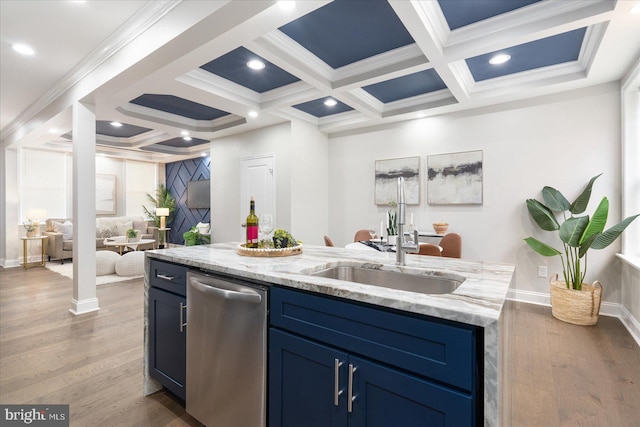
{"x": 116, "y": 242}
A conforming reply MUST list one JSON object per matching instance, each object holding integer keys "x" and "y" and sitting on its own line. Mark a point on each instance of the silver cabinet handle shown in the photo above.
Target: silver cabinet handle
{"x": 165, "y": 277}
{"x": 247, "y": 296}
{"x": 182, "y": 322}
{"x": 336, "y": 382}
{"x": 350, "y": 396}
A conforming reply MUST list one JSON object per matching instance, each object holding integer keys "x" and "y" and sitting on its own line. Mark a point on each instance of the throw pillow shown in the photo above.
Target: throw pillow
{"x": 106, "y": 262}
{"x": 140, "y": 225}
{"x": 103, "y": 233}
{"x": 123, "y": 227}
{"x": 65, "y": 228}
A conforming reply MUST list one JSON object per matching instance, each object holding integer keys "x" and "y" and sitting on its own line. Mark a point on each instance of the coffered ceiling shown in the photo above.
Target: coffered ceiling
{"x": 176, "y": 73}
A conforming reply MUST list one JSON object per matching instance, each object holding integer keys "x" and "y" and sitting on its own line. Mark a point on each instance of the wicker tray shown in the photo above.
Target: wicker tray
{"x": 268, "y": 252}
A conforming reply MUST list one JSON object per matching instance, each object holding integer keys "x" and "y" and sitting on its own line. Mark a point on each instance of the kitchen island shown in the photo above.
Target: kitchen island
{"x": 478, "y": 301}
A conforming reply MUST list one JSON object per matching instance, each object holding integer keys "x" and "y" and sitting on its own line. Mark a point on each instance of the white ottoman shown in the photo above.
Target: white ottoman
{"x": 106, "y": 262}
{"x": 131, "y": 264}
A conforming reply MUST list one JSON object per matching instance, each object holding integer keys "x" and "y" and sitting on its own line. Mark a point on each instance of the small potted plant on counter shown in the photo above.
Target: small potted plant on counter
{"x": 283, "y": 239}
{"x": 572, "y": 300}
{"x": 193, "y": 237}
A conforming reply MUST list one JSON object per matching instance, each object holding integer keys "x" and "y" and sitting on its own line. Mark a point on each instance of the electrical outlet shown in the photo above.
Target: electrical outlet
{"x": 542, "y": 271}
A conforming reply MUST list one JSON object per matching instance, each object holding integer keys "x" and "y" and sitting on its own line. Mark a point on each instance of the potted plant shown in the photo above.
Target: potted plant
{"x": 392, "y": 223}
{"x": 283, "y": 239}
{"x": 163, "y": 199}
{"x": 572, "y": 300}
{"x": 194, "y": 237}
{"x": 30, "y": 226}
{"x": 133, "y": 235}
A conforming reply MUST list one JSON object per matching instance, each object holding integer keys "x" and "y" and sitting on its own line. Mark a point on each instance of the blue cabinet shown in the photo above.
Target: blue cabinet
{"x": 338, "y": 363}
{"x": 167, "y": 332}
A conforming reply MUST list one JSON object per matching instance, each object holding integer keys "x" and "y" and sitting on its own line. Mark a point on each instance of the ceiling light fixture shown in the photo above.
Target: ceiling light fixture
{"x": 330, "y": 102}
{"x": 255, "y": 64}
{"x": 253, "y": 114}
{"x": 184, "y": 133}
{"x": 23, "y": 49}
{"x": 187, "y": 138}
{"x": 287, "y": 4}
{"x": 203, "y": 154}
{"x": 116, "y": 124}
{"x": 501, "y": 58}
{"x": 53, "y": 130}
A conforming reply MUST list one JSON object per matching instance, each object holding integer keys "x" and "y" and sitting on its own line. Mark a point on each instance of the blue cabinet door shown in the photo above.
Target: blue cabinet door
{"x": 167, "y": 346}
{"x": 384, "y": 397}
{"x": 302, "y": 383}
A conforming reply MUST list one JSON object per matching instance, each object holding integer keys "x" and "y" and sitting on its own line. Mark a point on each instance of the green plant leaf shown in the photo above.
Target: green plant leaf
{"x": 605, "y": 239}
{"x": 554, "y": 199}
{"x": 542, "y": 215}
{"x": 580, "y": 204}
{"x": 586, "y": 244}
{"x": 542, "y": 248}
{"x": 572, "y": 230}
{"x": 598, "y": 220}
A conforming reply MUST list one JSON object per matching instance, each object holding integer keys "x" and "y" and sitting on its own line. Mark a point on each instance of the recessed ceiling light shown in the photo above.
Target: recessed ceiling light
{"x": 255, "y": 64}
{"x": 23, "y": 49}
{"x": 421, "y": 115}
{"x": 253, "y": 114}
{"x": 184, "y": 133}
{"x": 53, "y": 130}
{"x": 287, "y": 4}
{"x": 499, "y": 59}
{"x": 203, "y": 154}
{"x": 116, "y": 124}
{"x": 187, "y": 138}
{"x": 330, "y": 102}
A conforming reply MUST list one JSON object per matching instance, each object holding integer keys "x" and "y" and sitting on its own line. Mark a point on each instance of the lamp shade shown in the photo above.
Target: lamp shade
{"x": 36, "y": 213}
{"x": 162, "y": 211}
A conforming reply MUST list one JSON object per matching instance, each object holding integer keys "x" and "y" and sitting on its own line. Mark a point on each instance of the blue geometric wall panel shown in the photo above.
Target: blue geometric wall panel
{"x": 178, "y": 174}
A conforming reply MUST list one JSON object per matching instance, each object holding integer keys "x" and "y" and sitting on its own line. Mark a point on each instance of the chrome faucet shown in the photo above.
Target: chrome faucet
{"x": 401, "y": 246}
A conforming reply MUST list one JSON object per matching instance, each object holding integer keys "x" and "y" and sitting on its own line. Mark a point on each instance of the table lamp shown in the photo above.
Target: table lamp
{"x": 163, "y": 213}
{"x": 35, "y": 216}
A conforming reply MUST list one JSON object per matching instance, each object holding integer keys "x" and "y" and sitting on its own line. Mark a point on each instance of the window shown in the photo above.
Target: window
{"x": 43, "y": 183}
{"x": 141, "y": 180}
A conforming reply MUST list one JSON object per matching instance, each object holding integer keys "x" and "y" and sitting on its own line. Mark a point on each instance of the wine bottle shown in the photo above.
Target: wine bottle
{"x": 252, "y": 226}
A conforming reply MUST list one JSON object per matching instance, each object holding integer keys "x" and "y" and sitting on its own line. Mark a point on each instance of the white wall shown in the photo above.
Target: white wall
{"x": 301, "y": 180}
{"x": 560, "y": 140}
{"x": 226, "y": 154}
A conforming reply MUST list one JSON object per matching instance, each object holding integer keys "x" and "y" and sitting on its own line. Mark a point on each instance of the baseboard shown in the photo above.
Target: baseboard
{"x": 9, "y": 263}
{"x": 606, "y": 309}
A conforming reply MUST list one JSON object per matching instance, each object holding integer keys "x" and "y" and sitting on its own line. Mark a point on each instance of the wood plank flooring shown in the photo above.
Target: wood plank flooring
{"x": 562, "y": 375}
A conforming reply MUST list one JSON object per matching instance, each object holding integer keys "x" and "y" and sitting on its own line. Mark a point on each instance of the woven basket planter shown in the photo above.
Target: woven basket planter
{"x": 573, "y": 306}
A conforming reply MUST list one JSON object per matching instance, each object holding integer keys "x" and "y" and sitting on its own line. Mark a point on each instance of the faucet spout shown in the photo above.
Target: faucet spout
{"x": 401, "y": 246}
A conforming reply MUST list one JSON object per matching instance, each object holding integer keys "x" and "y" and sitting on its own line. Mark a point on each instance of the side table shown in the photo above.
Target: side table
{"x": 25, "y": 240}
{"x": 164, "y": 239}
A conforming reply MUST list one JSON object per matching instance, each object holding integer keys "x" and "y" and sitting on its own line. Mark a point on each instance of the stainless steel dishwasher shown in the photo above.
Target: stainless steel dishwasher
{"x": 226, "y": 351}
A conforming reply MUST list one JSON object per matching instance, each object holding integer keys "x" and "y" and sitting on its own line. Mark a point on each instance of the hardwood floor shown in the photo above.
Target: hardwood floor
{"x": 562, "y": 375}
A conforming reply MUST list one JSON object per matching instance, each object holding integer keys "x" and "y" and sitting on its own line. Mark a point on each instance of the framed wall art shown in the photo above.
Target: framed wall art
{"x": 105, "y": 194}
{"x": 386, "y": 180}
{"x": 454, "y": 178}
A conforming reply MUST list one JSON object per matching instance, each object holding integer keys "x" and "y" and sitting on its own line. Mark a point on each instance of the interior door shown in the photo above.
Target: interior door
{"x": 258, "y": 181}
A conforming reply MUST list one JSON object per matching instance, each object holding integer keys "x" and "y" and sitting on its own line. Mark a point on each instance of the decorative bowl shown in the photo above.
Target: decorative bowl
{"x": 440, "y": 227}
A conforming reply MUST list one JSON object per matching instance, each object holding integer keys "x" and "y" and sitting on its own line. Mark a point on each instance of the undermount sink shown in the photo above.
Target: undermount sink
{"x": 425, "y": 284}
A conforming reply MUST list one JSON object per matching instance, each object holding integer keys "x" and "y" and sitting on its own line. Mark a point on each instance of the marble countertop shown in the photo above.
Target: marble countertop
{"x": 479, "y": 300}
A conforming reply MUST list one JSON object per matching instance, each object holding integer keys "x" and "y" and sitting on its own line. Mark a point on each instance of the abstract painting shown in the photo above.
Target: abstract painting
{"x": 455, "y": 178}
{"x": 386, "y": 180}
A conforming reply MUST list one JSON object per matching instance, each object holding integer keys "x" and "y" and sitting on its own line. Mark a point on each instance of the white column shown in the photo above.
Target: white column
{"x": 84, "y": 210}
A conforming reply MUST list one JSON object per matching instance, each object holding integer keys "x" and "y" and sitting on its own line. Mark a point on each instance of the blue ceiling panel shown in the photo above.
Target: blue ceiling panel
{"x": 179, "y": 106}
{"x": 536, "y": 54}
{"x": 182, "y": 143}
{"x": 406, "y": 86}
{"x": 318, "y": 109}
{"x": 460, "y": 13}
{"x": 104, "y": 127}
{"x": 347, "y": 31}
{"x": 233, "y": 66}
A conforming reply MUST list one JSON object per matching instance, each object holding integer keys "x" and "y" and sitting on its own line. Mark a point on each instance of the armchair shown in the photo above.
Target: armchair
{"x": 57, "y": 247}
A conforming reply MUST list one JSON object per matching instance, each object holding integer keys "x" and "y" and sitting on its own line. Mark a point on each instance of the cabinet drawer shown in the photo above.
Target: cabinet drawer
{"x": 168, "y": 276}
{"x": 434, "y": 348}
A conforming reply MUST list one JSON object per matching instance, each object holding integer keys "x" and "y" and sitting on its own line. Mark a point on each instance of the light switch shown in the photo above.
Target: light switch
{"x": 542, "y": 271}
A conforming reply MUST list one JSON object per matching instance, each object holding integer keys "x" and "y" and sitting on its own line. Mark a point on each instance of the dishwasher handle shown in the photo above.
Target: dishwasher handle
{"x": 246, "y": 296}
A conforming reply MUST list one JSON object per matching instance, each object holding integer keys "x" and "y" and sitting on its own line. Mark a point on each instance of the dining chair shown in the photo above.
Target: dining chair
{"x": 451, "y": 245}
{"x": 362, "y": 235}
{"x": 429, "y": 249}
{"x": 327, "y": 241}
